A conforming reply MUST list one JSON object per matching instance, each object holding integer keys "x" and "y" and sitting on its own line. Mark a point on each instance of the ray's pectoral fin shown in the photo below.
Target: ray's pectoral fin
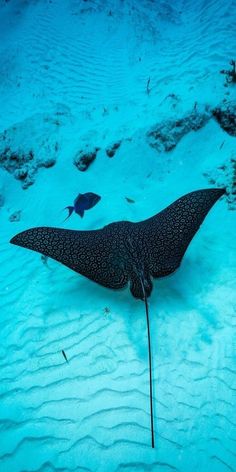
{"x": 169, "y": 233}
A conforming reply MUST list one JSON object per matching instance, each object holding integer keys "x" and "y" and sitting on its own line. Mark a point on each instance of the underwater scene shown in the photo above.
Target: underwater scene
{"x": 117, "y": 241}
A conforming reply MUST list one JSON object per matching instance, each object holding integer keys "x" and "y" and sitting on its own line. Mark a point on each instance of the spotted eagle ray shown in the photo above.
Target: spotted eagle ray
{"x": 124, "y": 252}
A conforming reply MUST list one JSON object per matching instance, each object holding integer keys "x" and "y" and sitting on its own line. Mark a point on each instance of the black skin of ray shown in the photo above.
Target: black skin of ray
{"x": 125, "y": 252}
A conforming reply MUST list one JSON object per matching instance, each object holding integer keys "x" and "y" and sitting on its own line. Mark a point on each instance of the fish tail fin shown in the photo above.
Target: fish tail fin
{"x": 70, "y": 210}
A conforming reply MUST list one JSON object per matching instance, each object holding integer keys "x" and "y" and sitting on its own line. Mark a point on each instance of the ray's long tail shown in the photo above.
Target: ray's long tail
{"x": 150, "y": 364}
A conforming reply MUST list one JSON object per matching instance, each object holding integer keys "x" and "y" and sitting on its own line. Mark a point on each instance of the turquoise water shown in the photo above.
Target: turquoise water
{"x": 126, "y": 100}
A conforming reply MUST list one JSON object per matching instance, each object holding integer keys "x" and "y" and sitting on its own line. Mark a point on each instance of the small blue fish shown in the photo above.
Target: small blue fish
{"x": 83, "y": 202}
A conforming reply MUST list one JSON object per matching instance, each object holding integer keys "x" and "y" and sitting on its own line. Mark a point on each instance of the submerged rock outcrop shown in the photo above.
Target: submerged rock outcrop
{"x": 84, "y": 158}
{"x": 30, "y": 145}
{"x": 224, "y": 176}
{"x": 111, "y": 150}
{"x": 23, "y": 164}
{"x": 225, "y": 115}
{"x": 165, "y": 135}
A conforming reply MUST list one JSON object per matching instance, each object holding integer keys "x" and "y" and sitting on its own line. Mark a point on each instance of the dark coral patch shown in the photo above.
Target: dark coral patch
{"x": 111, "y": 150}
{"x": 84, "y": 159}
{"x": 225, "y": 115}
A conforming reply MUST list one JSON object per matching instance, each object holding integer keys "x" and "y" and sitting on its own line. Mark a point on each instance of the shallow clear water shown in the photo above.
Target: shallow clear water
{"x": 78, "y": 77}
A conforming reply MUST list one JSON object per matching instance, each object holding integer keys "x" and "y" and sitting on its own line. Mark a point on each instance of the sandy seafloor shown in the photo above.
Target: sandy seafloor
{"x": 86, "y": 65}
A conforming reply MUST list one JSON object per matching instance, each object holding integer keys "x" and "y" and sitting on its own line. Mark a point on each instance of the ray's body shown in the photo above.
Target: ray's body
{"x": 125, "y": 252}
